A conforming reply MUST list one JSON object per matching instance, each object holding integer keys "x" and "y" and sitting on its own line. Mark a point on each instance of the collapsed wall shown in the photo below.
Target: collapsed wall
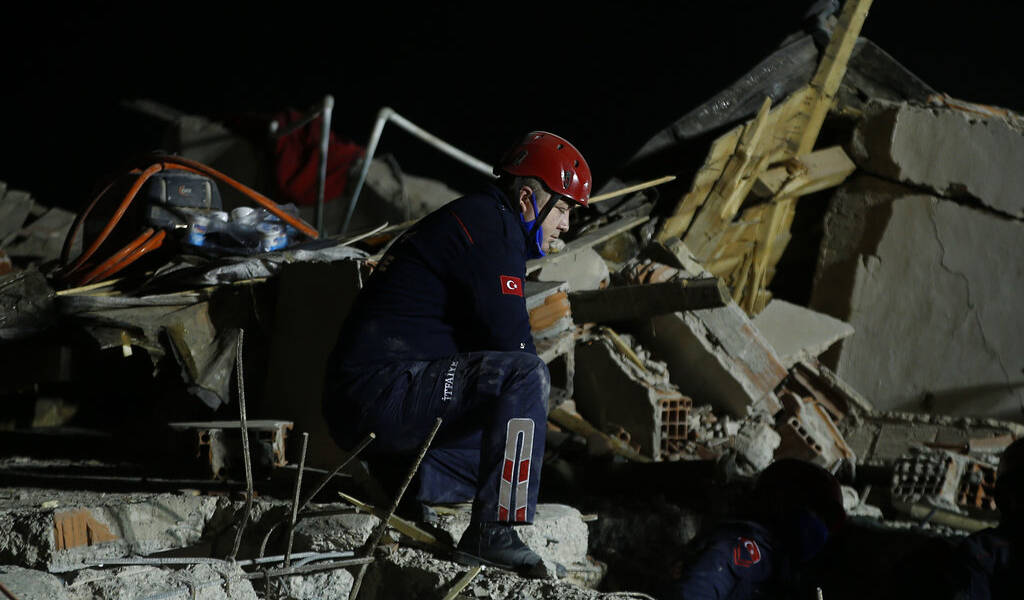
{"x": 930, "y": 287}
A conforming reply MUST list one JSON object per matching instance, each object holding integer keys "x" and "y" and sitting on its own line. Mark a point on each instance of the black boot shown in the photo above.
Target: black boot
{"x": 498, "y": 545}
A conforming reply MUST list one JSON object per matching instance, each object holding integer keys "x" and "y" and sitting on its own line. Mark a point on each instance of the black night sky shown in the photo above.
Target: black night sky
{"x": 606, "y": 76}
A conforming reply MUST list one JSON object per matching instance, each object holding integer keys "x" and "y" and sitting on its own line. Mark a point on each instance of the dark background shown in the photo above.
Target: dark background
{"x": 605, "y": 76}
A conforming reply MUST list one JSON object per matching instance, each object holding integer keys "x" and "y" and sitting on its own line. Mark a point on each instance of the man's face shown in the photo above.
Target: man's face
{"x": 557, "y": 220}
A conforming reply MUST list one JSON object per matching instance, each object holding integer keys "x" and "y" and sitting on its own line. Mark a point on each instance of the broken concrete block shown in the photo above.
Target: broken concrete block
{"x": 948, "y": 483}
{"x": 15, "y": 206}
{"x": 932, "y": 288}
{"x": 954, "y": 153}
{"x": 809, "y": 433}
{"x": 29, "y": 583}
{"x": 43, "y": 238}
{"x": 619, "y": 386}
{"x": 60, "y": 538}
{"x": 715, "y": 356}
{"x": 756, "y": 442}
{"x": 583, "y": 269}
{"x": 317, "y": 586}
{"x": 797, "y": 333}
{"x": 334, "y": 532}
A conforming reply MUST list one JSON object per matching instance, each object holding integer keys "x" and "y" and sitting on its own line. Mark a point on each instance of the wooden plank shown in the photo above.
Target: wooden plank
{"x": 631, "y": 189}
{"x": 807, "y": 174}
{"x": 586, "y": 241}
{"x": 628, "y": 302}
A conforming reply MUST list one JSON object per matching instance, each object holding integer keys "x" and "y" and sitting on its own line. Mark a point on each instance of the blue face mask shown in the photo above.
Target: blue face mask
{"x": 538, "y": 234}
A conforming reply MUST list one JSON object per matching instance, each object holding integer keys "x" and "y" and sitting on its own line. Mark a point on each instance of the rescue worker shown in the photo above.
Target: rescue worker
{"x": 990, "y": 562}
{"x": 441, "y": 330}
{"x": 794, "y": 507}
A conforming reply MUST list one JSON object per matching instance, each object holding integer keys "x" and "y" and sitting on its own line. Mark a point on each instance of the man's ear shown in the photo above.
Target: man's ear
{"x": 525, "y": 204}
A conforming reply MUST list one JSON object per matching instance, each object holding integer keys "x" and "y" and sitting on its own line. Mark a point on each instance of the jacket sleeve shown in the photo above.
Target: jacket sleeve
{"x": 492, "y": 272}
{"x": 709, "y": 577}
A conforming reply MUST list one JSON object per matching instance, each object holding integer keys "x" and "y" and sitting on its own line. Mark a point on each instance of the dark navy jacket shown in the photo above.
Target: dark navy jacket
{"x": 451, "y": 284}
{"x": 990, "y": 565}
{"x": 738, "y": 560}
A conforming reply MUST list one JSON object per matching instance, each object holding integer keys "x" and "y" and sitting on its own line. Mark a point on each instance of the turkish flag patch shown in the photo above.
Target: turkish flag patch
{"x": 746, "y": 553}
{"x": 511, "y": 285}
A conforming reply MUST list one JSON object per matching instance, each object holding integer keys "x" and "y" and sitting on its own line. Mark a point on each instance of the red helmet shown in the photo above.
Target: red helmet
{"x": 554, "y": 161}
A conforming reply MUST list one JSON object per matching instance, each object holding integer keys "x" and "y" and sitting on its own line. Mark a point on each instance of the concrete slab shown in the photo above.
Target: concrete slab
{"x": 58, "y": 538}
{"x": 797, "y": 333}
{"x": 952, "y": 152}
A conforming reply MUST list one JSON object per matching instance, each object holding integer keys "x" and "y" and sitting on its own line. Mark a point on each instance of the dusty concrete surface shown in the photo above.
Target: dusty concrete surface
{"x": 200, "y": 582}
{"x": 409, "y": 573}
{"x": 30, "y": 583}
{"x": 57, "y": 530}
{"x": 797, "y": 333}
{"x": 951, "y": 152}
{"x": 932, "y": 288}
{"x": 584, "y": 270}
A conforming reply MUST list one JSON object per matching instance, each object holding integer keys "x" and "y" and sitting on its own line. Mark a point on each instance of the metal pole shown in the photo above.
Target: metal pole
{"x": 295, "y": 501}
{"x": 321, "y": 179}
{"x": 387, "y": 114}
{"x": 371, "y": 147}
{"x": 245, "y": 444}
{"x": 378, "y": 533}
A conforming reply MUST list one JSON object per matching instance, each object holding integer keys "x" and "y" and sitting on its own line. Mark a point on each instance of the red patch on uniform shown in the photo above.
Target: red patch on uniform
{"x": 511, "y": 285}
{"x": 506, "y": 472}
{"x": 521, "y": 515}
{"x": 746, "y": 553}
{"x": 524, "y": 470}
{"x": 502, "y": 513}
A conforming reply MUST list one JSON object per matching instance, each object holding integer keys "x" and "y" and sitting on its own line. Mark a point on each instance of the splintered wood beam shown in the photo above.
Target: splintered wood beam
{"x": 749, "y": 160}
{"x": 628, "y": 302}
{"x": 806, "y": 174}
{"x": 722, "y": 150}
{"x": 832, "y": 68}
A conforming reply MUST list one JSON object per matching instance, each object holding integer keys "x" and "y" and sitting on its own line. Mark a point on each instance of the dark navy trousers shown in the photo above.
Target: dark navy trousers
{"x": 490, "y": 446}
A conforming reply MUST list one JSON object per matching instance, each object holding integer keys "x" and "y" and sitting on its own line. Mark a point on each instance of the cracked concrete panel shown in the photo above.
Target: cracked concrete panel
{"x": 951, "y": 152}
{"x": 936, "y": 310}
{"x": 716, "y": 356}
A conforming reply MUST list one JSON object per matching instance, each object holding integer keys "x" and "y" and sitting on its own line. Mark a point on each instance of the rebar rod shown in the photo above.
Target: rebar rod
{"x": 245, "y": 445}
{"x": 296, "y": 570}
{"x": 378, "y": 533}
{"x": 295, "y": 501}
{"x": 323, "y": 482}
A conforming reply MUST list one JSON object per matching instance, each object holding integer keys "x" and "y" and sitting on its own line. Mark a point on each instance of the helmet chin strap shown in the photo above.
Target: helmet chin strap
{"x": 535, "y": 229}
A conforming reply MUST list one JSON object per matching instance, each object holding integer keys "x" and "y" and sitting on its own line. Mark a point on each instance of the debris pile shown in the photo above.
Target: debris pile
{"x": 657, "y": 318}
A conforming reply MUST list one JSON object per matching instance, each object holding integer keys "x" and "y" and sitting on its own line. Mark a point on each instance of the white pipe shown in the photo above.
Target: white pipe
{"x": 385, "y": 115}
